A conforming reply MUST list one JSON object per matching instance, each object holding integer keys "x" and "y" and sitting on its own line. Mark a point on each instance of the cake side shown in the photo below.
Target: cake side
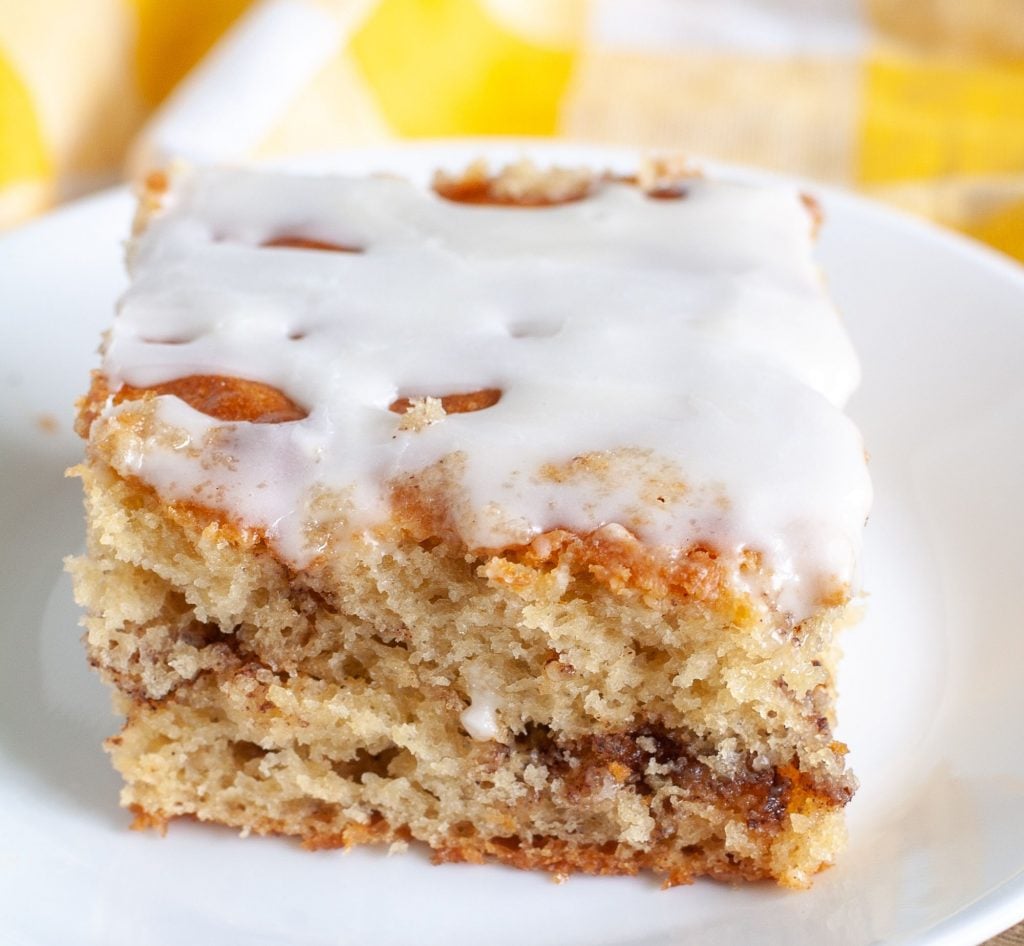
{"x": 486, "y": 707}
{"x": 641, "y": 677}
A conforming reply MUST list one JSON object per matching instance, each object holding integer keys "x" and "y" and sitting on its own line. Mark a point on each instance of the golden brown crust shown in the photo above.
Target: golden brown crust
{"x": 522, "y": 184}
{"x": 517, "y": 185}
{"x": 91, "y": 405}
{"x": 559, "y": 857}
{"x": 143, "y": 820}
{"x": 451, "y": 403}
{"x": 195, "y": 518}
{"x": 225, "y": 398}
{"x": 676, "y": 866}
{"x": 622, "y": 563}
{"x": 616, "y": 560}
{"x": 219, "y": 396}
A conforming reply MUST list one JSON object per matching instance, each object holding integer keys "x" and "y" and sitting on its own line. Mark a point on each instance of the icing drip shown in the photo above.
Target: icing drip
{"x": 688, "y": 345}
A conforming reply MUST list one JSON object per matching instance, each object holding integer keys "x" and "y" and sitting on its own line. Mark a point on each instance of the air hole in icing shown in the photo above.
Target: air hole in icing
{"x": 225, "y": 398}
{"x": 452, "y": 403}
{"x": 287, "y": 242}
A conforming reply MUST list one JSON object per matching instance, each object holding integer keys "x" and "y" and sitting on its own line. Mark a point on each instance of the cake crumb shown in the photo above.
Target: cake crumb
{"x": 520, "y": 183}
{"x": 422, "y": 412}
{"x": 658, "y": 175}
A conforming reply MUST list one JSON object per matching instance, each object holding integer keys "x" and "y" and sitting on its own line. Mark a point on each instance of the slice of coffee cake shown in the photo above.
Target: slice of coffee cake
{"x": 515, "y": 516}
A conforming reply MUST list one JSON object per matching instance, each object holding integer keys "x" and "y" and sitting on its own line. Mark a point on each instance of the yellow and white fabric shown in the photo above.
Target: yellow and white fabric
{"x": 918, "y": 101}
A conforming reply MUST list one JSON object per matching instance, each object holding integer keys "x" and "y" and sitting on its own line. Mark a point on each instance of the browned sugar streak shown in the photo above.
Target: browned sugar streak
{"x": 224, "y": 398}
{"x": 452, "y": 403}
{"x": 296, "y": 242}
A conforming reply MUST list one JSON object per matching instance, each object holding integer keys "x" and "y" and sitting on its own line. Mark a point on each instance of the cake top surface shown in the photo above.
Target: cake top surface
{"x": 673, "y": 367}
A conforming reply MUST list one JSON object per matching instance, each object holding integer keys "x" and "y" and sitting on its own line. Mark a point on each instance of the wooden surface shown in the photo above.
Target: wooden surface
{"x": 1014, "y": 937}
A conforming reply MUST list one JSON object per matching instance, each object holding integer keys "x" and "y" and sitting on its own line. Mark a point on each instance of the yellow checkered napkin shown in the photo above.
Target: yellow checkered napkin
{"x": 920, "y": 102}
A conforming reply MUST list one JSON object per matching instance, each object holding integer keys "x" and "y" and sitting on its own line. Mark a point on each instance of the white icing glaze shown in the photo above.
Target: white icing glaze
{"x": 697, "y": 330}
{"x": 480, "y": 718}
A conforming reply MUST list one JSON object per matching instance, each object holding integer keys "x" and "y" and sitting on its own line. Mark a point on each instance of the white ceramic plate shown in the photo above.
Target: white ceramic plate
{"x": 932, "y": 685}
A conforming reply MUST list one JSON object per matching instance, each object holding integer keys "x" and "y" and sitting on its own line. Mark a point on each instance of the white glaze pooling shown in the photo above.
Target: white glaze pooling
{"x": 697, "y": 330}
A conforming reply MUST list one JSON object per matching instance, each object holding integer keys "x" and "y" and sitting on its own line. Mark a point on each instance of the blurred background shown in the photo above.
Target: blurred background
{"x": 918, "y": 102}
